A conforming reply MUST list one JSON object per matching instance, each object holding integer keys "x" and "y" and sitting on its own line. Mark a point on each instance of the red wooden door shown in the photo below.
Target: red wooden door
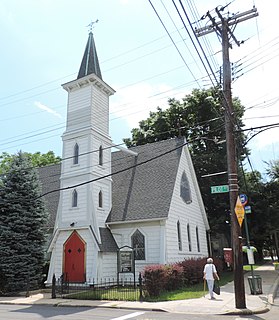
{"x": 74, "y": 258}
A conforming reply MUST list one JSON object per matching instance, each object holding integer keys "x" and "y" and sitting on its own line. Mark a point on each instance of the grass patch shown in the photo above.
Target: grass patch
{"x": 248, "y": 267}
{"x": 119, "y": 294}
{"x": 192, "y": 292}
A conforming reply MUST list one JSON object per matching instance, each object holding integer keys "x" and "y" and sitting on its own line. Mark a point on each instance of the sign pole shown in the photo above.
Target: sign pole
{"x": 244, "y": 201}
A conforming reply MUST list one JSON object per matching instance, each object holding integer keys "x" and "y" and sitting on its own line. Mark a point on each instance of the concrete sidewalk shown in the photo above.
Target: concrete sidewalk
{"x": 224, "y": 304}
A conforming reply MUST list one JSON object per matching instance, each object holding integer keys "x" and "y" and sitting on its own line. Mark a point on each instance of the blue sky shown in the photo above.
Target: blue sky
{"x": 43, "y": 42}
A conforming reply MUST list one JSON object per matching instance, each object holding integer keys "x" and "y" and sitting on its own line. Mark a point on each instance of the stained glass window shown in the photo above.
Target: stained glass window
{"x": 138, "y": 245}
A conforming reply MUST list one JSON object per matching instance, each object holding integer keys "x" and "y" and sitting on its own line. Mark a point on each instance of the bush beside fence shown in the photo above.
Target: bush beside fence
{"x": 159, "y": 278}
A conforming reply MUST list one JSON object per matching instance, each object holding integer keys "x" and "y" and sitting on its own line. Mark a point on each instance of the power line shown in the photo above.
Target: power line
{"x": 172, "y": 41}
{"x": 156, "y": 135}
{"x": 114, "y": 173}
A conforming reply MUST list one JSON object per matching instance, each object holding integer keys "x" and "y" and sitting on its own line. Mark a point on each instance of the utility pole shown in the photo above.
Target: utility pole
{"x": 222, "y": 28}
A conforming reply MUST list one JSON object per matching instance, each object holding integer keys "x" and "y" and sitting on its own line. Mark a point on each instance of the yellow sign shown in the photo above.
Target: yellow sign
{"x": 239, "y": 211}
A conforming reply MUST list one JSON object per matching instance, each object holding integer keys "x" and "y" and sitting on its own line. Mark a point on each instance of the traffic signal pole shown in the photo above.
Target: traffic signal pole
{"x": 222, "y": 28}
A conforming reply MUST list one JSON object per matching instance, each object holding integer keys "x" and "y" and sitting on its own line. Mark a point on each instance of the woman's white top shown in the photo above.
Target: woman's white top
{"x": 209, "y": 269}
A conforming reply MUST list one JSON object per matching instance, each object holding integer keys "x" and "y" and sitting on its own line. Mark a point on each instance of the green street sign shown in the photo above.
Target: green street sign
{"x": 220, "y": 189}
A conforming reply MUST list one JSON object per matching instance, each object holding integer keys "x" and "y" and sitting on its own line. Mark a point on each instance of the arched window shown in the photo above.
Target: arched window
{"x": 100, "y": 156}
{"x": 100, "y": 200}
{"x": 185, "y": 191}
{"x": 138, "y": 245}
{"x": 74, "y": 198}
{"x": 189, "y": 237}
{"x": 179, "y": 236}
{"x": 198, "y": 239}
{"x": 76, "y": 154}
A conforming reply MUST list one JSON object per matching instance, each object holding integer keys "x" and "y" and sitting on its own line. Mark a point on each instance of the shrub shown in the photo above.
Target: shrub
{"x": 159, "y": 278}
{"x": 193, "y": 269}
{"x": 154, "y": 279}
{"x": 173, "y": 277}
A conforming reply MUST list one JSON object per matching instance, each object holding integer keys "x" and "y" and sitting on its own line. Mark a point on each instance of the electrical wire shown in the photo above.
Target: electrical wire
{"x": 156, "y": 135}
{"x": 173, "y": 41}
{"x": 113, "y": 173}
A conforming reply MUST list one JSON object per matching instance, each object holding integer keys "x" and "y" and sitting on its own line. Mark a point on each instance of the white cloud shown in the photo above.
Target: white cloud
{"x": 47, "y": 109}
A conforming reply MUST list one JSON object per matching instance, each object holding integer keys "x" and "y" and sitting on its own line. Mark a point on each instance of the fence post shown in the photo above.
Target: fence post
{"x": 140, "y": 287}
{"x": 53, "y": 287}
{"x": 27, "y": 286}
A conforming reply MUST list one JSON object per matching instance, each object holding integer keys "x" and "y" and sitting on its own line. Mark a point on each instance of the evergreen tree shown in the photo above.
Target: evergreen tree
{"x": 22, "y": 226}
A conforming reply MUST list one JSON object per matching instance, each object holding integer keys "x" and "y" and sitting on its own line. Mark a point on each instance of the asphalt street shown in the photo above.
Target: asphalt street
{"x": 39, "y": 312}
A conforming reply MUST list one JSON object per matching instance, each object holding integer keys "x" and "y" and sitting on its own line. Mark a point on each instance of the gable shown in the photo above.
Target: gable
{"x": 196, "y": 189}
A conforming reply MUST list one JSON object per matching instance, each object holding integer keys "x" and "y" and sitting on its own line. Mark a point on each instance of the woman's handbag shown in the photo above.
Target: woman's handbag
{"x": 216, "y": 287}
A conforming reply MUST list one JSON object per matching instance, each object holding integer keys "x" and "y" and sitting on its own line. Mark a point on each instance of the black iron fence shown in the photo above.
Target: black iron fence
{"x": 106, "y": 289}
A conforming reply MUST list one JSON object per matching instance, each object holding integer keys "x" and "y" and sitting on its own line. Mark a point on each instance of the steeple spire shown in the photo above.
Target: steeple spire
{"x": 90, "y": 62}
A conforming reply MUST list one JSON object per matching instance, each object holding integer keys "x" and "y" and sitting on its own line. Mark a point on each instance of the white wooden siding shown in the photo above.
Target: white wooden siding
{"x": 109, "y": 265}
{"x": 68, "y": 146}
{"x": 100, "y": 112}
{"x": 91, "y": 251}
{"x": 74, "y": 214}
{"x": 88, "y": 105}
{"x": 186, "y": 214}
{"x": 94, "y": 144}
{"x": 79, "y": 99}
{"x": 153, "y": 241}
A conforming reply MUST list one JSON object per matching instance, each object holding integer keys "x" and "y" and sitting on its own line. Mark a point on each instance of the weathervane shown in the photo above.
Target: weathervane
{"x": 91, "y": 24}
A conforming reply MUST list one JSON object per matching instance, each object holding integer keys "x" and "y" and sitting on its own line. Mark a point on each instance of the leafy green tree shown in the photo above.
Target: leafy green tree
{"x": 23, "y": 220}
{"x": 200, "y": 118}
{"x": 273, "y": 170}
{"x": 37, "y": 159}
{"x": 263, "y": 221}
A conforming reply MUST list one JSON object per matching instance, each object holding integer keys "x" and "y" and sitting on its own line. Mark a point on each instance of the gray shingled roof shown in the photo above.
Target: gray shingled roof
{"x": 145, "y": 191}
{"x": 108, "y": 243}
{"x": 141, "y": 193}
{"x": 90, "y": 62}
{"x": 50, "y": 180}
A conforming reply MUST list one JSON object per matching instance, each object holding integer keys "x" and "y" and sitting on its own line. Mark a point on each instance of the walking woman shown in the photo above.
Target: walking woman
{"x": 210, "y": 274}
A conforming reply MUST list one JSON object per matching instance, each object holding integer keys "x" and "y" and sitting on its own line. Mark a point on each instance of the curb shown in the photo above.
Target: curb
{"x": 270, "y": 300}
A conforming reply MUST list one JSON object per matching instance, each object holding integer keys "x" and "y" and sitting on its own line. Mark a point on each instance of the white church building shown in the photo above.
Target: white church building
{"x": 145, "y": 199}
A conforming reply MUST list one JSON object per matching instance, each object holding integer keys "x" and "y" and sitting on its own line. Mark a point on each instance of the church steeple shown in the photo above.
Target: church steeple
{"x": 90, "y": 62}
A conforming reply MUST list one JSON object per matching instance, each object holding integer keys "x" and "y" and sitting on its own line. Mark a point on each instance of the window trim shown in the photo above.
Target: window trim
{"x": 198, "y": 239}
{"x": 74, "y": 198}
{"x": 76, "y": 154}
{"x": 185, "y": 190}
{"x": 189, "y": 237}
{"x": 141, "y": 249}
{"x": 100, "y": 199}
{"x": 179, "y": 236}
{"x": 101, "y": 156}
